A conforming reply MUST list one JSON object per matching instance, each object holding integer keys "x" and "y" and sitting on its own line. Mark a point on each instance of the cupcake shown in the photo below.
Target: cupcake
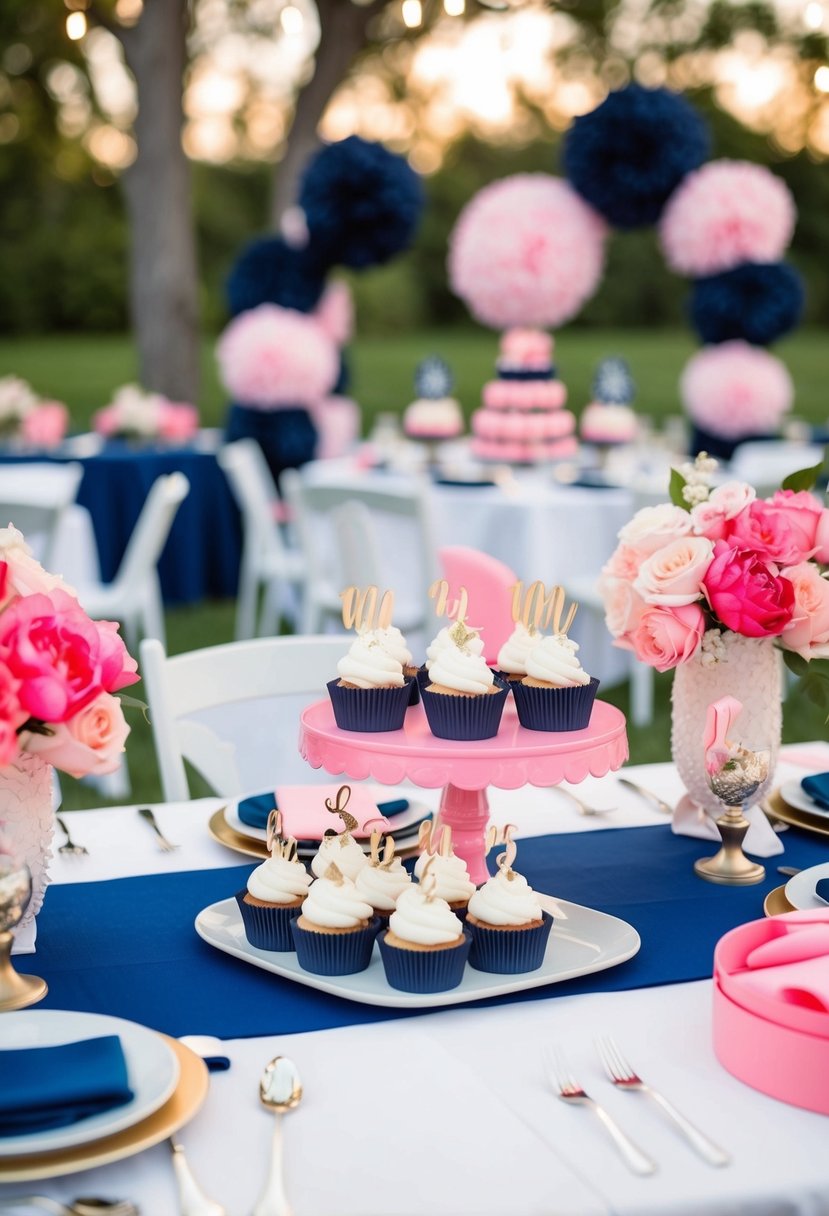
{"x": 372, "y": 693}
{"x": 444, "y": 640}
{"x": 508, "y": 925}
{"x": 556, "y": 693}
{"x": 273, "y": 895}
{"x": 425, "y": 946}
{"x": 392, "y": 641}
{"x": 463, "y": 699}
{"x": 451, "y": 877}
{"x": 335, "y": 930}
{"x": 513, "y": 655}
{"x": 383, "y": 878}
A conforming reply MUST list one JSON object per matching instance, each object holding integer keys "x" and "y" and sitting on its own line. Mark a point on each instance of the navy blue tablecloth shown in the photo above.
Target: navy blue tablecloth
{"x": 201, "y": 558}
{"x": 128, "y": 947}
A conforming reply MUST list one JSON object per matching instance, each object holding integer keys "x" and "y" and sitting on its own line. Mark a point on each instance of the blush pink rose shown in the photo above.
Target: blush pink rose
{"x": 747, "y": 594}
{"x": 808, "y": 633}
{"x": 665, "y": 637}
{"x": 821, "y": 553}
{"x": 624, "y": 562}
{"x": 623, "y": 607}
{"x": 46, "y": 425}
{"x": 710, "y": 518}
{"x": 90, "y": 742}
{"x": 653, "y": 527}
{"x": 26, "y": 576}
{"x": 118, "y": 667}
{"x": 673, "y": 574}
{"x": 178, "y": 422}
{"x": 780, "y": 530}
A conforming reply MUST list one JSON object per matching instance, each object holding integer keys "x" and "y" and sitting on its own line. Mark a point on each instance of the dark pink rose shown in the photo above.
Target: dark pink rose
{"x": 746, "y": 593}
{"x": 666, "y": 637}
{"x": 118, "y": 667}
{"x": 781, "y": 530}
{"x": 12, "y": 715}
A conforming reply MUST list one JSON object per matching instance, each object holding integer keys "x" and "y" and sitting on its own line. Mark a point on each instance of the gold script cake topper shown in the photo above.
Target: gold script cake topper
{"x": 279, "y": 845}
{"x": 504, "y": 860}
{"x": 434, "y": 838}
{"x": 428, "y": 882}
{"x": 454, "y": 611}
{"x": 382, "y": 851}
{"x": 363, "y": 609}
{"x": 337, "y": 807}
{"x": 334, "y": 874}
{"x": 538, "y": 608}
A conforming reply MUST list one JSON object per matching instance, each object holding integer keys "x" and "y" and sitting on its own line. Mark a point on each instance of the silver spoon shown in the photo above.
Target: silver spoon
{"x": 192, "y": 1200}
{"x": 86, "y": 1206}
{"x": 279, "y": 1090}
{"x": 70, "y": 846}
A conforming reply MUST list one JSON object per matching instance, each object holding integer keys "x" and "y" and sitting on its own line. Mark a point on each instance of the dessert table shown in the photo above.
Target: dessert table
{"x": 402, "y": 1108}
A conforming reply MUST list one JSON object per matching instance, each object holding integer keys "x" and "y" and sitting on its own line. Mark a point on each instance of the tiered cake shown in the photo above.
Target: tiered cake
{"x": 523, "y": 420}
{"x": 609, "y": 418}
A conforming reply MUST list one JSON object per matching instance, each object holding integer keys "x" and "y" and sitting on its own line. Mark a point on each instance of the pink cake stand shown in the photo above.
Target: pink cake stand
{"x": 515, "y": 757}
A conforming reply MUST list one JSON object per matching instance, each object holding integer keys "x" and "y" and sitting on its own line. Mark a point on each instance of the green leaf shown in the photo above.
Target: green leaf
{"x": 134, "y": 703}
{"x": 795, "y": 662}
{"x": 676, "y": 485}
{"x": 35, "y": 727}
{"x": 804, "y": 479}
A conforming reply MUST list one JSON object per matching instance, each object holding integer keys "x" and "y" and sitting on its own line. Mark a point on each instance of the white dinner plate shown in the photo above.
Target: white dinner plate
{"x": 793, "y": 793}
{"x": 800, "y": 889}
{"x": 586, "y": 941}
{"x": 404, "y": 824}
{"x": 152, "y": 1069}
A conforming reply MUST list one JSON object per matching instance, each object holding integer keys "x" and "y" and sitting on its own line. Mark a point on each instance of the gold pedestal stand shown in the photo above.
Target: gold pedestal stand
{"x": 16, "y": 991}
{"x": 730, "y": 866}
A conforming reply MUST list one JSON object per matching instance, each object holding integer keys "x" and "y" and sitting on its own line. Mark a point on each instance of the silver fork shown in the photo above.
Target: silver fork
{"x": 166, "y": 845}
{"x": 625, "y": 1078}
{"x": 570, "y": 1091}
{"x": 584, "y": 808}
{"x": 70, "y": 846}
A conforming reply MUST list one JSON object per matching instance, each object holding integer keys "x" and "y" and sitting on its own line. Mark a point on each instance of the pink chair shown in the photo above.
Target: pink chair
{"x": 489, "y": 585}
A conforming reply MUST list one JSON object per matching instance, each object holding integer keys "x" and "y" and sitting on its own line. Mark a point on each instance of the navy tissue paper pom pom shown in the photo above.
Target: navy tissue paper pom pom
{"x": 758, "y": 301}
{"x": 628, "y": 155}
{"x": 269, "y": 271}
{"x": 362, "y": 203}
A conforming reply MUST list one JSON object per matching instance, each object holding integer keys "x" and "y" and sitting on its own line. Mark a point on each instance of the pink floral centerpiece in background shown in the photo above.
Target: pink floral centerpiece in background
{"x": 716, "y": 584}
{"x": 58, "y": 672}
{"x": 135, "y": 414}
{"x": 30, "y": 419}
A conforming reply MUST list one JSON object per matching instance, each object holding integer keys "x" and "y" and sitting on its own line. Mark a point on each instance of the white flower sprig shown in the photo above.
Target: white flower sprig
{"x": 698, "y": 477}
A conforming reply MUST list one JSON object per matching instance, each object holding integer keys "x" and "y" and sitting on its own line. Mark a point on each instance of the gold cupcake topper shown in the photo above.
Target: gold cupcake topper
{"x": 538, "y": 607}
{"x": 334, "y": 874}
{"x": 337, "y": 807}
{"x": 456, "y": 611}
{"x": 434, "y": 838}
{"x": 274, "y": 835}
{"x": 504, "y": 860}
{"x": 382, "y": 854}
{"x": 428, "y": 882}
{"x": 364, "y": 610}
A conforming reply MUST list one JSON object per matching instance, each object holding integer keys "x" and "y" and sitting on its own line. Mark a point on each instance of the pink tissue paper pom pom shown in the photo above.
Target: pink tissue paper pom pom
{"x": 271, "y": 357}
{"x": 335, "y": 312}
{"x": 733, "y": 390}
{"x": 526, "y": 251}
{"x": 45, "y": 425}
{"x": 727, "y": 212}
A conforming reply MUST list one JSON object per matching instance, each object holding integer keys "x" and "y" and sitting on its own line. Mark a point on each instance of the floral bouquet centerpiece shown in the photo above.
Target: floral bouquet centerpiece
{"x": 29, "y": 419}
{"x": 134, "y": 414}
{"x": 58, "y": 672}
{"x": 716, "y": 583}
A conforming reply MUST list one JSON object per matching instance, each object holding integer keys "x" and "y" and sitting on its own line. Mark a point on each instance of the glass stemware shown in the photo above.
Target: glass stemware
{"x": 16, "y": 991}
{"x": 735, "y": 784}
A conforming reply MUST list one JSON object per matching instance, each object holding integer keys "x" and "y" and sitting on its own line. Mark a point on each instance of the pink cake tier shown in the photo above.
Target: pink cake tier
{"x": 524, "y": 395}
{"x": 515, "y": 757}
{"x": 428, "y": 418}
{"x": 606, "y": 423}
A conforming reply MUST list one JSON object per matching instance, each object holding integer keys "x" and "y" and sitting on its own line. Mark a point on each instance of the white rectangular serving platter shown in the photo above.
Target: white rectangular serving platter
{"x": 585, "y": 942}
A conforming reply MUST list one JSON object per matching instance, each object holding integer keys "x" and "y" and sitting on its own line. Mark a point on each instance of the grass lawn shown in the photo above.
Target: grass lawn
{"x": 83, "y": 369}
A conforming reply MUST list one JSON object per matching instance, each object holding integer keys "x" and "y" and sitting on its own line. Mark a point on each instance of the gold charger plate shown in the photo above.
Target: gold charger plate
{"x": 776, "y": 903}
{"x": 819, "y": 824}
{"x": 178, "y": 1110}
{"x": 220, "y": 830}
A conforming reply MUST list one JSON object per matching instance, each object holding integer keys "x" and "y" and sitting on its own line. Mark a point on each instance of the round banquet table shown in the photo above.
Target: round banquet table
{"x": 201, "y": 557}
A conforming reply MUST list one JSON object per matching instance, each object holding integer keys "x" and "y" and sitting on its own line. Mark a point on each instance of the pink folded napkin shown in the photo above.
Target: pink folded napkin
{"x": 305, "y": 817}
{"x": 792, "y": 968}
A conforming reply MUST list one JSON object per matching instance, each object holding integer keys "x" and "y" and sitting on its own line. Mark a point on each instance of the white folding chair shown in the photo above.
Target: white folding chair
{"x": 35, "y": 498}
{"x": 266, "y": 560}
{"x": 313, "y": 508}
{"x": 232, "y": 711}
{"x": 134, "y": 595}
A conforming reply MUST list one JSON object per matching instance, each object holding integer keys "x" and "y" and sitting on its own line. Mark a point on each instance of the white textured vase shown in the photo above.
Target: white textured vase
{"x": 727, "y": 664}
{"x": 27, "y": 822}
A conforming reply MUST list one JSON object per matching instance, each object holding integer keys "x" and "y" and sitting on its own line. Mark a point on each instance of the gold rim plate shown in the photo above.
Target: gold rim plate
{"x": 220, "y": 830}
{"x": 776, "y": 903}
{"x": 176, "y": 1111}
{"x": 795, "y": 816}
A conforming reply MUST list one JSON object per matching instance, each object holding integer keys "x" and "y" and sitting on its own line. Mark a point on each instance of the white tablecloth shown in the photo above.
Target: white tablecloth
{"x": 449, "y": 1112}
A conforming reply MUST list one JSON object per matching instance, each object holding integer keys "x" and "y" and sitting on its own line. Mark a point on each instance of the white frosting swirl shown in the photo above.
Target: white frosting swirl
{"x": 452, "y": 881}
{"x": 279, "y": 881}
{"x": 335, "y": 905}
{"x": 422, "y": 921}
{"x": 345, "y": 853}
{"x": 392, "y": 641}
{"x": 460, "y": 669}
{"x": 513, "y": 655}
{"x": 554, "y": 661}
{"x": 505, "y": 899}
{"x": 382, "y": 886}
{"x": 368, "y": 665}
{"x": 443, "y": 640}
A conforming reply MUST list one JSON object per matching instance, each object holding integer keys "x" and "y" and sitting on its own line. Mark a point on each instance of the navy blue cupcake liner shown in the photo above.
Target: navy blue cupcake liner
{"x": 370, "y": 709}
{"x": 424, "y": 970}
{"x": 334, "y": 953}
{"x": 555, "y": 708}
{"x": 506, "y": 951}
{"x": 414, "y": 689}
{"x": 465, "y": 718}
{"x": 267, "y": 928}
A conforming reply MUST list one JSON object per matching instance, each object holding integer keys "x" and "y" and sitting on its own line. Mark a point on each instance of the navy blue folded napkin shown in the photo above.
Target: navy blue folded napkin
{"x": 822, "y": 889}
{"x": 254, "y": 811}
{"x": 817, "y": 788}
{"x": 46, "y": 1087}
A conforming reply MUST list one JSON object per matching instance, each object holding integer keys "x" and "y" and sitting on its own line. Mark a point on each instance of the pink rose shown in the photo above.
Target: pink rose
{"x": 782, "y": 530}
{"x": 808, "y": 633}
{"x": 12, "y": 715}
{"x": 118, "y": 667}
{"x": 747, "y": 594}
{"x": 710, "y": 518}
{"x": 89, "y": 742}
{"x": 666, "y": 637}
{"x": 673, "y": 574}
{"x": 624, "y": 562}
{"x": 821, "y": 553}
{"x": 46, "y": 425}
{"x": 653, "y": 527}
{"x": 177, "y": 421}
{"x": 25, "y": 574}
{"x": 623, "y": 607}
